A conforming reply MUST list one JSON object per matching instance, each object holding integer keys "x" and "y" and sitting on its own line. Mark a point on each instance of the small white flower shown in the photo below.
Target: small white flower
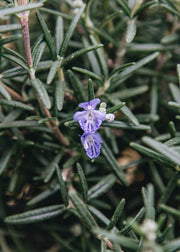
{"x": 110, "y": 117}
{"x": 149, "y": 228}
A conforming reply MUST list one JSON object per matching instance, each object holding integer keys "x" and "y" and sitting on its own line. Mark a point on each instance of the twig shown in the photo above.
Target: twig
{"x": 24, "y": 17}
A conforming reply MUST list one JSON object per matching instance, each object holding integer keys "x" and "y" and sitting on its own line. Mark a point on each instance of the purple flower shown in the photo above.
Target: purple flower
{"x": 92, "y": 144}
{"x": 89, "y": 119}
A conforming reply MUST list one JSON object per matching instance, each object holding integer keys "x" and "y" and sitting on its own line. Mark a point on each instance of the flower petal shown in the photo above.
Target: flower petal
{"x": 79, "y": 115}
{"x": 92, "y": 144}
{"x": 93, "y": 103}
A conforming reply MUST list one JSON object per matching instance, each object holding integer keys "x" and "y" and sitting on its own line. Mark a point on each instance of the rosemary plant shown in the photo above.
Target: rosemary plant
{"x": 89, "y": 125}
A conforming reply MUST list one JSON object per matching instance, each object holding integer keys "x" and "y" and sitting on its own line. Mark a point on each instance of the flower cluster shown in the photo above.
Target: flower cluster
{"x": 90, "y": 120}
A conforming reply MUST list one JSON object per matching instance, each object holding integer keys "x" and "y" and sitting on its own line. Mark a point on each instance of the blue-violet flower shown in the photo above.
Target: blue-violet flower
{"x": 92, "y": 144}
{"x": 90, "y": 119}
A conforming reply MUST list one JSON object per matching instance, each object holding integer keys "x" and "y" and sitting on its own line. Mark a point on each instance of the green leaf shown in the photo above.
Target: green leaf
{"x": 124, "y": 6}
{"x": 57, "y": 13}
{"x": 5, "y": 157}
{"x": 63, "y": 243}
{"x": 130, "y": 92}
{"x": 78, "y": 53}
{"x": 76, "y": 86}
{"x": 41, "y": 92}
{"x": 159, "y": 158}
{"x": 9, "y": 27}
{"x": 47, "y": 35}
{"x": 40, "y": 214}
{"x": 71, "y": 161}
{"x": 83, "y": 211}
{"x": 70, "y": 31}
{"x": 108, "y": 18}
{"x": 90, "y": 90}
{"x": 174, "y": 104}
{"x": 113, "y": 164}
{"x": 18, "y": 124}
{"x": 101, "y": 56}
{"x": 119, "y": 69}
{"x": 62, "y": 186}
{"x": 43, "y": 195}
{"x": 87, "y": 72}
{"x": 124, "y": 109}
{"x": 178, "y": 72}
{"x": 59, "y": 94}
{"x": 92, "y": 59}
{"x": 175, "y": 91}
{"x": 131, "y": 31}
{"x": 59, "y": 35}
{"x": 163, "y": 149}
{"x": 122, "y": 240}
{"x": 148, "y": 197}
{"x": 15, "y": 60}
{"x": 117, "y": 214}
{"x": 169, "y": 188}
{"x": 98, "y": 214}
{"x": 137, "y": 218}
{"x": 123, "y": 125}
{"x": 101, "y": 187}
{"x": 52, "y": 72}
{"x": 51, "y": 167}
{"x": 21, "y": 8}
{"x": 15, "y": 104}
{"x": 171, "y": 246}
{"x": 37, "y": 54}
{"x": 83, "y": 181}
{"x": 130, "y": 70}
{"x": 170, "y": 210}
{"x": 14, "y": 53}
{"x": 4, "y": 93}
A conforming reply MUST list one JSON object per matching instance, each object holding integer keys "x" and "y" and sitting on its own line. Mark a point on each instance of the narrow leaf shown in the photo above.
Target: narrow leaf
{"x": 62, "y": 186}
{"x": 101, "y": 187}
{"x": 42, "y": 93}
{"x": 129, "y": 70}
{"x": 90, "y": 90}
{"x": 159, "y": 158}
{"x": 76, "y": 86}
{"x": 70, "y": 31}
{"x": 124, "y": 109}
{"x": 101, "y": 56}
{"x": 4, "y": 93}
{"x": 59, "y": 33}
{"x": 113, "y": 164}
{"x": 5, "y": 159}
{"x": 20, "y": 8}
{"x": 117, "y": 214}
{"x": 59, "y": 94}
{"x": 170, "y": 210}
{"x": 15, "y": 60}
{"x": 47, "y": 35}
{"x": 52, "y": 72}
{"x": 83, "y": 211}
{"x": 131, "y": 31}
{"x": 163, "y": 149}
{"x": 87, "y": 72}
{"x": 78, "y": 53}
{"x": 83, "y": 181}
{"x": 36, "y": 215}
{"x": 38, "y": 54}
{"x": 15, "y": 104}
{"x": 18, "y": 124}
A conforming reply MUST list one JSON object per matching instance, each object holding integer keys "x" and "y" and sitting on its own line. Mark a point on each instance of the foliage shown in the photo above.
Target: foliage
{"x": 55, "y": 55}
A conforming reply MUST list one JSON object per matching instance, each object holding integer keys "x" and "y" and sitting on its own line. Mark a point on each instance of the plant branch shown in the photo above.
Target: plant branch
{"x": 25, "y": 30}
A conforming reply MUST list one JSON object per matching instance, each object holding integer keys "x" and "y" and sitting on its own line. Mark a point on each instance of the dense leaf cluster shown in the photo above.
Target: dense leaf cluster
{"x": 55, "y": 55}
